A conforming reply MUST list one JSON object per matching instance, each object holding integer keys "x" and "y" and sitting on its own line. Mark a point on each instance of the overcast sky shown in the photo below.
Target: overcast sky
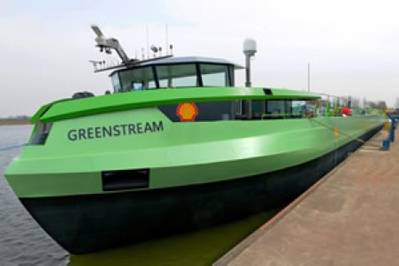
{"x": 352, "y": 46}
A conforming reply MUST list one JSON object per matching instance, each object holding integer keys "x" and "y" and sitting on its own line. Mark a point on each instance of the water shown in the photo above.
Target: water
{"x": 197, "y": 248}
{"x": 23, "y": 242}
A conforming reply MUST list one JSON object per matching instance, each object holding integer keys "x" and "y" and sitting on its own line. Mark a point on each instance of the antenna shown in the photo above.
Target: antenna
{"x": 147, "y": 41}
{"x": 166, "y": 38}
{"x": 96, "y": 62}
{"x": 107, "y": 44}
{"x": 154, "y": 49}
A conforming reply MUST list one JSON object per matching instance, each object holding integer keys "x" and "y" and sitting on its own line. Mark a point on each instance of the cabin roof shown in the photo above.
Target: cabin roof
{"x": 174, "y": 61}
{"x": 188, "y": 59}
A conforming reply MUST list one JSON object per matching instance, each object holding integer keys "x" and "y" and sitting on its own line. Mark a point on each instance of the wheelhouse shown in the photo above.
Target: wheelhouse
{"x": 175, "y": 72}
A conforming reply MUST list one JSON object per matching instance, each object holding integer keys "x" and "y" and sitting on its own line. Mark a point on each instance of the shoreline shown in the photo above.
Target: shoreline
{"x": 14, "y": 122}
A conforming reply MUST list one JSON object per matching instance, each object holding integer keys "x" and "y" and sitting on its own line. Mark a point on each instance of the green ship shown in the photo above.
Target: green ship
{"x": 177, "y": 146}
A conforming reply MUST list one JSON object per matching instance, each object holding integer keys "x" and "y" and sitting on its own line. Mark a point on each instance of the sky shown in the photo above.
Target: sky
{"x": 352, "y": 46}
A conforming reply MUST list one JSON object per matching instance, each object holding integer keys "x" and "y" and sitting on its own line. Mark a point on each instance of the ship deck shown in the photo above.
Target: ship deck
{"x": 349, "y": 217}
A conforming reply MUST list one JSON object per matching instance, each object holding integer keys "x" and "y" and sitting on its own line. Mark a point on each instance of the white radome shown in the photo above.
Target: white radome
{"x": 249, "y": 46}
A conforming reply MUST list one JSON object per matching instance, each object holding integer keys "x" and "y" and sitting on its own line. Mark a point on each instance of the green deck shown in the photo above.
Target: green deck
{"x": 65, "y": 109}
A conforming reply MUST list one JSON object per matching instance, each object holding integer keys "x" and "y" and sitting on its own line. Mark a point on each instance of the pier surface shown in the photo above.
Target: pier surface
{"x": 350, "y": 217}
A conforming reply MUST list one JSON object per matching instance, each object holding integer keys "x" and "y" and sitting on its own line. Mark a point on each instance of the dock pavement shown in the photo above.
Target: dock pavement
{"x": 349, "y": 217}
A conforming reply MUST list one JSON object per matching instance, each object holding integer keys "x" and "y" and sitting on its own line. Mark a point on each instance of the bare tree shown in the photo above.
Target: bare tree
{"x": 381, "y": 105}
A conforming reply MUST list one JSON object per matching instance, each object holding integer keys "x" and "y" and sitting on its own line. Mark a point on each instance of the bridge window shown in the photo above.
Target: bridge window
{"x": 215, "y": 75}
{"x": 115, "y": 82}
{"x": 173, "y": 76}
{"x": 137, "y": 79}
{"x": 182, "y": 75}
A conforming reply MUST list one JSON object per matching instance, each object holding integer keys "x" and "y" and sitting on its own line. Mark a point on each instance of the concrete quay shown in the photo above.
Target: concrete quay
{"x": 349, "y": 217}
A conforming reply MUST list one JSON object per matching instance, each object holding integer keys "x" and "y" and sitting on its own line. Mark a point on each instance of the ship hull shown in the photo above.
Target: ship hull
{"x": 88, "y": 223}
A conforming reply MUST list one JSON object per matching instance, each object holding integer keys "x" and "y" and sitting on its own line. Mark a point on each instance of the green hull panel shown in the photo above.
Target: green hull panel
{"x": 88, "y": 223}
{"x": 177, "y": 154}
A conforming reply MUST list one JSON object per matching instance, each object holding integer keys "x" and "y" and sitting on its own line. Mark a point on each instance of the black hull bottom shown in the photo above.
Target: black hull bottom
{"x": 83, "y": 224}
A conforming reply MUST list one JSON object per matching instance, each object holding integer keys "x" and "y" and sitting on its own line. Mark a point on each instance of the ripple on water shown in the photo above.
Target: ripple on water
{"x": 22, "y": 241}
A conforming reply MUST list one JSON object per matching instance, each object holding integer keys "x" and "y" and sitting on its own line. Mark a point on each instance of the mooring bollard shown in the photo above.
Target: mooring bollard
{"x": 385, "y": 144}
{"x": 392, "y": 131}
{"x": 391, "y": 127}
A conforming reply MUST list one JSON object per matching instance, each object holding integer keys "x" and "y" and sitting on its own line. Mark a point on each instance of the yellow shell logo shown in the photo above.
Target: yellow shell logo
{"x": 187, "y": 111}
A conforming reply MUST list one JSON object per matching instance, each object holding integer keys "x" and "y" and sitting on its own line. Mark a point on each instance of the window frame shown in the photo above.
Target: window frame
{"x": 197, "y": 76}
{"x": 150, "y": 67}
{"x": 230, "y": 73}
{"x": 116, "y": 74}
